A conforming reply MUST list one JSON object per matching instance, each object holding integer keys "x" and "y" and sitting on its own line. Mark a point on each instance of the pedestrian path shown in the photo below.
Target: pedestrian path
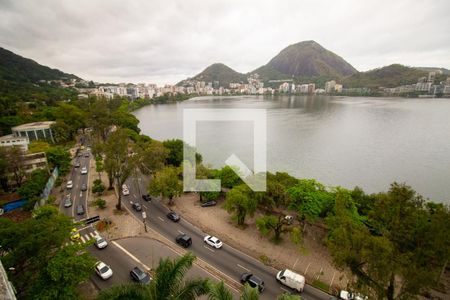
{"x": 84, "y": 238}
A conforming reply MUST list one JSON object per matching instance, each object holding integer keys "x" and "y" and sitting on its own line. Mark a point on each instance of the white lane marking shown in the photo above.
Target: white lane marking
{"x": 307, "y": 268}
{"x": 296, "y": 261}
{"x": 92, "y": 234}
{"x": 134, "y": 195}
{"x": 130, "y": 255}
{"x": 209, "y": 248}
{"x": 96, "y": 232}
{"x": 243, "y": 267}
{"x": 82, "y": 239}
{"x": 81, "y": 194}
{"x": 87, "y": 237}
{"x": 161, "y": 219}
{"x": 180, "y": 231}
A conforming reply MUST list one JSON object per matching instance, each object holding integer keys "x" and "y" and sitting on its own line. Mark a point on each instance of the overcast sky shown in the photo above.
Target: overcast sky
{"x": 166, "y": 41}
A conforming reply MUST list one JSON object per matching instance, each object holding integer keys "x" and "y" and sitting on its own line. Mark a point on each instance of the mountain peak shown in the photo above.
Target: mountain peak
{"x": 218, "y": 72}
{"x": 306, "y": 59}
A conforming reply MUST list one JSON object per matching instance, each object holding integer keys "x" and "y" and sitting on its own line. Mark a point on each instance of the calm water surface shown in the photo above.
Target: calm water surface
{"x": 368, "y": 142}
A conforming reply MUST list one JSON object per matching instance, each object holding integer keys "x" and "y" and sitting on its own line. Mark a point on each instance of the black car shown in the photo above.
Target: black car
{"x": 173, "y": 216}
{"x": 209, "y": 203}
{"x": 80, "y": 209}
{"x": 253, "y": 281}
{"x": 140, "y": 276}
{"x": 183, "y": 240}
{"x": 146, "y": 197}
{"x": 137, "y": 206}
{"x": 83, "y": 187}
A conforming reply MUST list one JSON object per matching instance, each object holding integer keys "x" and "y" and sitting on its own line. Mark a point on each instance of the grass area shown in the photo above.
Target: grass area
{"x": 321, "y": 285}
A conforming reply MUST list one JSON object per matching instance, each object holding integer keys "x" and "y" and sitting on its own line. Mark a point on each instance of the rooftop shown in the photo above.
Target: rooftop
{"x": 35, "y": 125}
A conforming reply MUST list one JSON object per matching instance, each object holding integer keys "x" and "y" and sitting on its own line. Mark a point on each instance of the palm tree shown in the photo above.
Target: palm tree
{"x": 249, "y": 293}
{"x": 218, "y": 291}
{"x": 131, "y": 291}
{"x": 169, "y": 283}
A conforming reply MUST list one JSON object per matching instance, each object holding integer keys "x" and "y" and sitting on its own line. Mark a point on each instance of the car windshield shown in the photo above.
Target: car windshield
{"x": 104, "y": 269}
{"x": 100, "y": 240}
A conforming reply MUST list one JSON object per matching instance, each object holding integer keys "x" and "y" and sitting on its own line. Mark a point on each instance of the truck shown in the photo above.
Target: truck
{"x": 291, "y": 279}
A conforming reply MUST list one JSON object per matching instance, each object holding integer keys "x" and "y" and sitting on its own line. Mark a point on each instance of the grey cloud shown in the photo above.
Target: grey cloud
{"x": 166, "y": 41}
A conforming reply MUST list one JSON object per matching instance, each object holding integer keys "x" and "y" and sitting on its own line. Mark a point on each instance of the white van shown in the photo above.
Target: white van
{"x": 291, "y": 279}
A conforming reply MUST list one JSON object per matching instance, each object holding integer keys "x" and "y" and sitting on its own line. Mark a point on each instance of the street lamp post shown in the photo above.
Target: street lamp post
{"x": 144, "y": 217}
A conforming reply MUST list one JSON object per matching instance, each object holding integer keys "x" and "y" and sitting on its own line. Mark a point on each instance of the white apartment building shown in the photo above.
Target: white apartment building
{"x": 11, "y": 140}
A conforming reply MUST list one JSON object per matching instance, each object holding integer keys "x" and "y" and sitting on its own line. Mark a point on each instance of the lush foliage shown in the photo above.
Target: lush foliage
{"x": 175, "y": 156}
{"x": 98, "y": 187}
{"x": 40, "y": 267}
{"x": 166, "y": 183}
{"x": 399, "y": 250}
{"x": 241, "y": 202}
{"x": 59, "y": 157}
{"x": 32, "y": 188}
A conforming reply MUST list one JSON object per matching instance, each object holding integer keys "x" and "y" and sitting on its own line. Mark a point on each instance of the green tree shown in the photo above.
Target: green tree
{"x": 98, "y": 187}
{"x": 61, "y": 132}
{"x": 240, "y": 202}
{"x": 99, "y": 166}
{"x": 15, "y": 165}
{"x": 59, "y": 157}
{"x": 175, "y": 156}
{"x": 43, "y": 268}
{"x": 118, "y": 163}
{"x": 101, "y": 203}
{"x": 166, "y": 184}
{"x": 32, "y": 188}
{"x": 228, "y": 177}
{"x": 399, "y": 251}
{"x": 276, "y": 225}
{"x": 310, "y": 199}
{"x": 153, "y": 156}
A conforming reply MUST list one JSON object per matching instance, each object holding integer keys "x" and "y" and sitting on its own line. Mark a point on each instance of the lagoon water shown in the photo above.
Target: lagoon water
{"x": 345, "y": 141}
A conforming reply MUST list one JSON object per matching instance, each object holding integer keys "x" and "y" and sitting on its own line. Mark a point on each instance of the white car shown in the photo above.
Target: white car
{"x": 213, "y": 241}
{"x": 103, "y": 270}
{"x": 124, "y": 187}
{"x": 125, "y": 192}
{"x": 351, "y": 296}
{"x": 69, "y": 184}
{"x": 100, "y": 242}
{"x": 83, "y": 170}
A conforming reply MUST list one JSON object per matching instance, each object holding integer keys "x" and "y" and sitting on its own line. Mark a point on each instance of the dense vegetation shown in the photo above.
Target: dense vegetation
{"x": 40, "y": 265}
{"x": 389, "y": 76}
{"x": 221, "y": 73}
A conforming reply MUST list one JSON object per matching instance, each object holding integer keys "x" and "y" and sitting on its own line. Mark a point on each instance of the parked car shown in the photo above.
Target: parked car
{"x": 100, "y": 242}
{"x": 76, "y": 164}
{"x": 67, "y": 201}
{"x": 137, "y": 206}
{"x": 173, "y": 216}
{"x": 140, "y": 276}
{"x": 209, "y": 203}
{"x": 146, "y": 197}
{"x": 74, "y": 235}
{"x": 291, "y": 279}
{"x": 69, "y": 184}
{"x": 213, "y": 241}
{"x": 80, "y": 209}
{"x": 183, "y": 240}
{"x": 253, "y": 281}
{"x": 103, "y": 270}
{"x": 84, "y": 170}
{"x": 124, "y": 186}
{"x": 345, "y": 295}
{"x": 125, "y": 192}
{"x": 83, "y": 187}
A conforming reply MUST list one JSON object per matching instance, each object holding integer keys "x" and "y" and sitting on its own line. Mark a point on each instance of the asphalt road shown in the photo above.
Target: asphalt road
{"x": 231, "y": 262}
{"x": 125, "y": 254}
{"x": 78, "y": 197}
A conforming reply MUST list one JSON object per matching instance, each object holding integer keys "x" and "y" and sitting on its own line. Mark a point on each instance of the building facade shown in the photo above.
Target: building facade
{"x": 11, "y": 140}
{"x": 35, "y": 131}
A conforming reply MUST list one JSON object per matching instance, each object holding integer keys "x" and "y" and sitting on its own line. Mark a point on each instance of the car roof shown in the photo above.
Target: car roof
{"x": 255, "y": 279}
{"x": 214, "y": 239}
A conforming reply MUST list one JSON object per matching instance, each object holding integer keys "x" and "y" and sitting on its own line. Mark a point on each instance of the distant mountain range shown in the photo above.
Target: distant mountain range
{"x": 308, "y": 61}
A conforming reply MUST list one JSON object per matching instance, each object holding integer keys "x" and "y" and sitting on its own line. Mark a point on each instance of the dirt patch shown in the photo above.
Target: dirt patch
{"x": 312, "y": 259}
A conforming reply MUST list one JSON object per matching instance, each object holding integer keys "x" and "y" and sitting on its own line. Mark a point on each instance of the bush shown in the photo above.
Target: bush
{"x": 98, "y": 187}
{"x": 100, "y": 203}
